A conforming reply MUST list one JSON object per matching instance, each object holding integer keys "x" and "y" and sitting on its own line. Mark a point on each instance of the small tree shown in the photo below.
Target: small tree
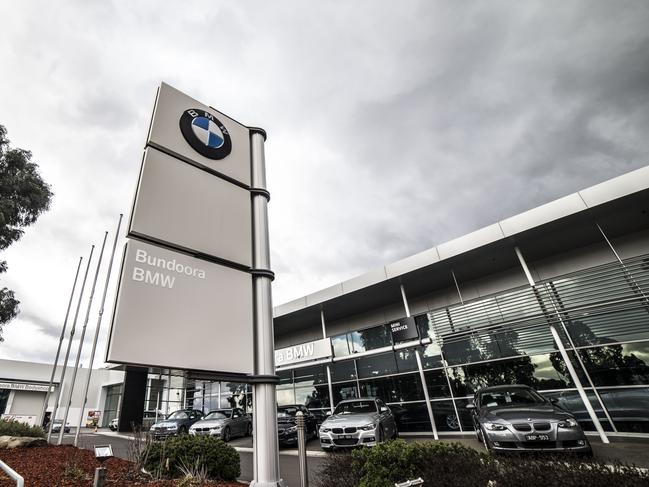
{"x": 23, "y": 197}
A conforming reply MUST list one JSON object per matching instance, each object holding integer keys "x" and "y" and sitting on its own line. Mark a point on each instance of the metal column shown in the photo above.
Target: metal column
{"x": 424, "y": 385}
{"x": 562, "y": 350}
{"x": 331, "y": 389}
{"x": 266, "y": 445}
{"x": 322, "y": 321}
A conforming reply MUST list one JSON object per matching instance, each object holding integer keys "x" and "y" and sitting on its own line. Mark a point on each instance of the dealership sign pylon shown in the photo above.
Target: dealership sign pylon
{"x": 197, "y": 262}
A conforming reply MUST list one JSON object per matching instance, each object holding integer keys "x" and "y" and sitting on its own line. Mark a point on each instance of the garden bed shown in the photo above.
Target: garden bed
{"x": 67, "y": 466}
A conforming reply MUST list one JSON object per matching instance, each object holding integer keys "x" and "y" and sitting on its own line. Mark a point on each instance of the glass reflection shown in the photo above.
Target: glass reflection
{"x": 344, "y": 370}
{"x": 546, "y": 371}
{"x": 411, "y": 417}
{"x": 616, "y": 365}
{"x": 370, "y": 338}
{"x": 445, "y": 417}
{"x": 344, "y": 391}
{"x": 629, "y": 408}
{"x": 376, "y": 365}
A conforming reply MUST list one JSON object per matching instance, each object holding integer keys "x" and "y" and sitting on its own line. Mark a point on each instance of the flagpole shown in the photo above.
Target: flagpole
{"x": 59, "y": 396}
{"x": 41, "y": 418}
{"x": 94, "y": 342}
{"x": 83, "y": 334}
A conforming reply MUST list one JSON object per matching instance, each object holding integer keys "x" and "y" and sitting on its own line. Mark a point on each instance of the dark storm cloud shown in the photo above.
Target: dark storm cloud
{"x": 513, "y": 107}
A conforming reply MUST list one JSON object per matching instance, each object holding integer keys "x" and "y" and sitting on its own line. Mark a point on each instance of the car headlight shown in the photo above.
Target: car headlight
{"x": 495, "y": 426}
{"x": 291, "y": 429}
{"x": 567, "y": 423}
{"x": 216, "y": 428}
{"x": 324, "y": 429}
{"x": 368, "y": 427}
{"x": 173, "y": 426}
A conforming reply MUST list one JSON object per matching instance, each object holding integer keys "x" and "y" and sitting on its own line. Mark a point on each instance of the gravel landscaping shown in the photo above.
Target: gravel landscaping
{"x": 67, "y": 466}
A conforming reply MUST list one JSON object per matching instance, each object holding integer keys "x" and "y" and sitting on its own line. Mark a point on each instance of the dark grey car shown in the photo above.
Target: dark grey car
{"x": 177, "y": 423}
{"x": 516, "y": 418}
{"x": 358, "y": 422}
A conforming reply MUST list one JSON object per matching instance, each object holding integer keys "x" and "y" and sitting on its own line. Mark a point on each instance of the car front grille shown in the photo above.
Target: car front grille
{"x": 541, "y": 426}
{"x": 200, "y": 430}
{"x": 522, "y": 427}
{"x": 337, "y": 430}
{"x": 539, "y": 444}
{"x": 345, "y": 441}
{"x": 350, "y": 430}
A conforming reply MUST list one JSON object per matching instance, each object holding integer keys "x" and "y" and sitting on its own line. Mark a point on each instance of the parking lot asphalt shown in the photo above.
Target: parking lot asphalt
{"x": 628, "y": 450}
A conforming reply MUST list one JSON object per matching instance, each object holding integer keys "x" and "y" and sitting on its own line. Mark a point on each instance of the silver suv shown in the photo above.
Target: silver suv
{"x": 358, "y": 422}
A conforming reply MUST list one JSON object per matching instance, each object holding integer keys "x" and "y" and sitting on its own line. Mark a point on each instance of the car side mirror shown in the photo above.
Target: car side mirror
{"x": 328, "y": 413}
{"x": 471, "y": 406}
{"x": 384, "y": 409}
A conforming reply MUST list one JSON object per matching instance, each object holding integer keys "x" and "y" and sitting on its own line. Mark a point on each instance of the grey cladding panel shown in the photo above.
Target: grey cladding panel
{"x": 179, "y": 204}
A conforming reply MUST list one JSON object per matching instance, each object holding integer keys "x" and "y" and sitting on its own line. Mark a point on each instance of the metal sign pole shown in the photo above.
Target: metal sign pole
{"x": 59, "y": 396}
{"x": 94, "y": 342}
{"x": 266, "y": 446}
{"x": 83, "y": 334}
{"x": 58, "y": 350}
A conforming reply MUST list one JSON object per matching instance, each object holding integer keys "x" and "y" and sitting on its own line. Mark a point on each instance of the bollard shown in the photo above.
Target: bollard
{"x": 100, "y": 477}
{"x": 301, "y": 448}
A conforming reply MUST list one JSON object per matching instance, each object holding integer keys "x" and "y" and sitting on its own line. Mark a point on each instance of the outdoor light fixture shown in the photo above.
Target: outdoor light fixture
{"x": 102, "y": 453}
{"x": 410, "y": 483}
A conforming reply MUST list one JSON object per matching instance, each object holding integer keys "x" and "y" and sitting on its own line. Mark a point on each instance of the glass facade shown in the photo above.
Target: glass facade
{"x": 601, "y": 316}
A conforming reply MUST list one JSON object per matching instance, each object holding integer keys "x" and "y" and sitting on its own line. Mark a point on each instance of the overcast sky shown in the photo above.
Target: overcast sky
{"x": 393, "y": 126}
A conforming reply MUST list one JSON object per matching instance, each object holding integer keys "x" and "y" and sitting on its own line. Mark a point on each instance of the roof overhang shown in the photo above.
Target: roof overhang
{"x": 619, "y": 205}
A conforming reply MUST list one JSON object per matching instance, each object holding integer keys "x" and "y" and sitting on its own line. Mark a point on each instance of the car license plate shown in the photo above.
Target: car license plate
{"x": 537, "y": 437}
{"x": 345, "y": 437}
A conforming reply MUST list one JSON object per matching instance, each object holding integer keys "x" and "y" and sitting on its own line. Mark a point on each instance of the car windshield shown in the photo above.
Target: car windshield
{"x": 219, "y": 415}
{"x": 510, "y": 397}
{"x": 286, "y": 412}
{"x": 178, "y": 415}
{"x": 356, "y": 407}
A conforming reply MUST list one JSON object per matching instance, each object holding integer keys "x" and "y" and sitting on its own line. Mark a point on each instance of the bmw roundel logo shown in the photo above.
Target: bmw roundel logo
{"x": 205, "y": 133}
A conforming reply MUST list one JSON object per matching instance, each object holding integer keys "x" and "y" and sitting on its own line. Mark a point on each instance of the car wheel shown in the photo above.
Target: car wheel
{"x": 226, "y": 434}
{"x": 249, "y": 429}
{"x": 452, "y": 422}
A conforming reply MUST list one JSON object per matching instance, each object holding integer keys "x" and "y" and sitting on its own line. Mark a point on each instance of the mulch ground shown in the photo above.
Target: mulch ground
{"x": 67, "y": 466}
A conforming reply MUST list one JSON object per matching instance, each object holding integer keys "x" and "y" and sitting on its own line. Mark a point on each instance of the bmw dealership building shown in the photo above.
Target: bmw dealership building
{"x": 556, "y": 298}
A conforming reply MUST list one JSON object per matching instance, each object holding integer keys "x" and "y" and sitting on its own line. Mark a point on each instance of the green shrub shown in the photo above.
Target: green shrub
{"x": 397, "y": 461}
{"x": 167, "y": 459}
{"x": 453, "y": 464}
{"x": 10, "y": 427}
